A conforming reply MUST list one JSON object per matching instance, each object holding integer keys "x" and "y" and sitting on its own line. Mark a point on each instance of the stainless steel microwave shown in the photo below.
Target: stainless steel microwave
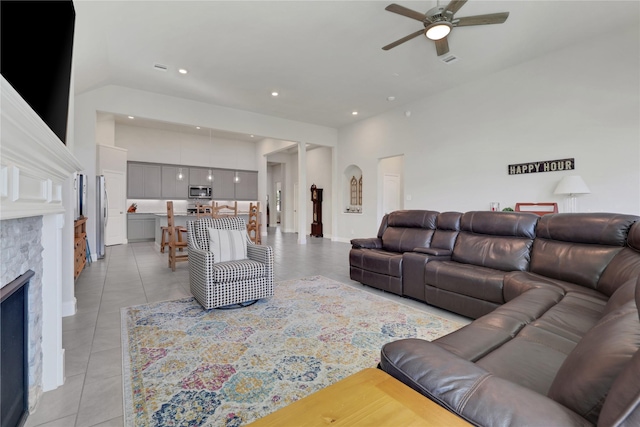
{"x": 199, "y": 192}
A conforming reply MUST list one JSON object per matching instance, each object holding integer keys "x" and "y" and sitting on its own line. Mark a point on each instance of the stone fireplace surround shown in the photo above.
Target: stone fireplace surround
{"x": 36, "y": 170}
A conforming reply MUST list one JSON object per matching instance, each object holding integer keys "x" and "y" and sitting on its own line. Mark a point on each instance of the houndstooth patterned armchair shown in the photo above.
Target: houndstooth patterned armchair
{"x": 231, "y": 282}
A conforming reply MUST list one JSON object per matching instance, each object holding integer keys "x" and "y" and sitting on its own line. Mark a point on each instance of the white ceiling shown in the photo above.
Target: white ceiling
{"x": 323, "y": 57}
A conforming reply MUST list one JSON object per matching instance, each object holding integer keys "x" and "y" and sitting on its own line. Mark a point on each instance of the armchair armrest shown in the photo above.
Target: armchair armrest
{"x": 433, "y": 251}
{"x": 470, "y": 391}
{"x": 200, "y": 265}
{"x": 260, "y": 253}
{"x": 370, "y": 243}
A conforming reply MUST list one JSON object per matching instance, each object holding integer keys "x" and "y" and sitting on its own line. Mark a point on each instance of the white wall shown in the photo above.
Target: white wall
{"x": 582, "y": 102}
{"x": 164, "y": 146}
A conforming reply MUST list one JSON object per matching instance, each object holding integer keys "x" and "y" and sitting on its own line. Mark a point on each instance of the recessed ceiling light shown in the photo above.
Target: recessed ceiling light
{"x": 355, "y": 113}
{"x": 182, "y": 71}
{"x": 251, "y": 136}
{"x": 131, "y": 117}
{"x": 274, "y": 93}
{"x": 197, "y": 127}
{"x": 391, "y": 98}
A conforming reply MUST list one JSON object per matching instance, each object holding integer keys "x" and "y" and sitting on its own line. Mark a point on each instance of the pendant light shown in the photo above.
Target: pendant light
{"x": 236, "y": 178}
{"x": 210, "y": 176}
{"x": 180, "y": 175}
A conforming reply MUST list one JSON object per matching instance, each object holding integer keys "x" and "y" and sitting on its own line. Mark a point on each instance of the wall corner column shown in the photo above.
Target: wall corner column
{"x": 302, "y": 193}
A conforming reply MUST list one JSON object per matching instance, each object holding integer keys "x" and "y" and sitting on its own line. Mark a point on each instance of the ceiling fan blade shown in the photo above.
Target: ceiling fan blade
{"x": 491, "y": 18}
{"x": 442, "y": 46}
{"x": 401, "y": 10}
{"x": 402, "y": 40}
{"x": 454, "y": 6}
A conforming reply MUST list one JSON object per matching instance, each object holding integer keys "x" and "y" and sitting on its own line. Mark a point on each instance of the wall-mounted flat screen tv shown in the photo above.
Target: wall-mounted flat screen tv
{"x": 35, "y": 56}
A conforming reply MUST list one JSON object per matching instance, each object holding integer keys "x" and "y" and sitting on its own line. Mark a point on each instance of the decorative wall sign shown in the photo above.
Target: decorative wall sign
{"x": 542, "y": 166}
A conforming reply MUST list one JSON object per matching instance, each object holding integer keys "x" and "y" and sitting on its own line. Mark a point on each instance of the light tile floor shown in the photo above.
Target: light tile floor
{"x": 137, "y": 273}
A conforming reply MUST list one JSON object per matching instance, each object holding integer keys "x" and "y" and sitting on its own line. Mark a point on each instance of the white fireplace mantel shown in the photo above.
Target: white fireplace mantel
{"x": 33, "y": 161}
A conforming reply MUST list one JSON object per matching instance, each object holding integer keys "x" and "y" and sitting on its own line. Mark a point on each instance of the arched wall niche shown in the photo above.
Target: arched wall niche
{"x": 352, "y": 189}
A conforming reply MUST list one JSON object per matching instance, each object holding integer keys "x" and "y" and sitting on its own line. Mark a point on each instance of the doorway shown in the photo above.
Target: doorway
{"x": 295, "y": 207}
{"x": 278, "y": 202}
{"x": 391, "y": 192}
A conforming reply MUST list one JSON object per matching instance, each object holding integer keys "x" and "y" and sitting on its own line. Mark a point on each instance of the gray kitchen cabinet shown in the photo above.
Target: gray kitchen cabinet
{"x": 143, "y": 181}
{"x": 223, "y": 187}
{"x": 141, "y": 227}
{"x": 247, "y": 188}
{"x": 172, "y": 187}
{"x": 200, "y": 176}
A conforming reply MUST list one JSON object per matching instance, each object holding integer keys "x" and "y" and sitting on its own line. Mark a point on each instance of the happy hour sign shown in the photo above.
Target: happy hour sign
{"x": 542, "y": 166}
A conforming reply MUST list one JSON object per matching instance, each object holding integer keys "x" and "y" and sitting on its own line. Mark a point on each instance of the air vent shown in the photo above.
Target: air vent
{"x": 449, "y": 59}
{"x": 160, "y": 67}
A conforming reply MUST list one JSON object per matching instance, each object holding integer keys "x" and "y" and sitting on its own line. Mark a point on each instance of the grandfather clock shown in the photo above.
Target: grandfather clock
{"x": 316, "y": 198}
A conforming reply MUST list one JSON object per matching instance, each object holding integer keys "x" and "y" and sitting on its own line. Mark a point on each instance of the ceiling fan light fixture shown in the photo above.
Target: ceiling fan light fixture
{"x": 438, "y": 30}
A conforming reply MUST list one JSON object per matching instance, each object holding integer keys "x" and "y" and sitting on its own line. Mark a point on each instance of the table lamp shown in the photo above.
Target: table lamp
{"x": 572, "y": 186}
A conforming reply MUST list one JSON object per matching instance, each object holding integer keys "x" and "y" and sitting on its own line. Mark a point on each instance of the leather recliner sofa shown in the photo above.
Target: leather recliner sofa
{"x": 562, "y": 349}
{"x": 378, "y": 261}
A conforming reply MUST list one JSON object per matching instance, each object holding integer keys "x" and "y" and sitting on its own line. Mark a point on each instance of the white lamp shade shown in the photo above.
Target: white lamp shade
{"x": 572, "y": 184}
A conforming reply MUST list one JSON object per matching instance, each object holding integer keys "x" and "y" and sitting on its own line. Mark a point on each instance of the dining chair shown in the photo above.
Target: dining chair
{"x": 253, "y": 225}
{"x": 204, "y": 211}
{"x": 224, "y": 211}
{"x": 174, "y": 243}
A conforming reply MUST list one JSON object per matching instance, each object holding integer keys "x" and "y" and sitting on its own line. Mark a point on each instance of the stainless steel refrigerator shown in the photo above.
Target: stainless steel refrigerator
{"x": 102, "y": 209}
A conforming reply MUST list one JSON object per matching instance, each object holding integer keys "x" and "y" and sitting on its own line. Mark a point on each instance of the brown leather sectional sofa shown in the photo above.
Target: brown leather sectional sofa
{"x": 556, "y": 336}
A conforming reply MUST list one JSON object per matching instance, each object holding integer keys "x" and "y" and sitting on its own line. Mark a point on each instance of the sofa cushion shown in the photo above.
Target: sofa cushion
{"x": 377, "y": 260}
{"x": 514, "y": 224}
{"x": 403, "y": 239}
{"x": 413, "y": 219}
{"x": 590, "y": 228}
{"x": 447, "y": 229}
{"x": 470, "y": 280}
{"x": 237, "y": 271}
{"x": 500, "y": 253}
{"x": 585, "y": 377}
{"x": 384, "y": 263}
{"x": 578, "y": 263}
{"x": 518, "y": 282}
{"x": 408, "y": 229}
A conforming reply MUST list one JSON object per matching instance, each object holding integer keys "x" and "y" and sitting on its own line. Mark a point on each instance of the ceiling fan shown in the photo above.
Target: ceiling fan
{"x": 439, "y": 21}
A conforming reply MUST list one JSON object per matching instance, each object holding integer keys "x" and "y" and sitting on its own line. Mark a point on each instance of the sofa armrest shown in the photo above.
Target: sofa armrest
{"x": 370, "y": 243}
{"x": 433, "y": 251}
{"x": 413, "y": 280}
{"x": 470, "y": 391}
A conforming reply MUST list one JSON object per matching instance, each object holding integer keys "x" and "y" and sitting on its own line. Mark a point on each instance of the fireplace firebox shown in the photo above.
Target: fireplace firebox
{"x": 14, "y": 371}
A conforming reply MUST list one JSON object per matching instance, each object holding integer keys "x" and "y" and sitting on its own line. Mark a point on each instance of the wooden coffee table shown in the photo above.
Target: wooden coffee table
{"x": 369, "y": 398}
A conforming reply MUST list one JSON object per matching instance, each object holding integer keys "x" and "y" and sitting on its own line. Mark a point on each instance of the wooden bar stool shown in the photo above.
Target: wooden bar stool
{"x": 173, "y": 240}
{"x": 164, "y": 242}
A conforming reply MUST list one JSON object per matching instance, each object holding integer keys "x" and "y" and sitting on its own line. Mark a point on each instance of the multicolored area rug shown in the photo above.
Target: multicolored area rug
{"x": 184, "y": 366}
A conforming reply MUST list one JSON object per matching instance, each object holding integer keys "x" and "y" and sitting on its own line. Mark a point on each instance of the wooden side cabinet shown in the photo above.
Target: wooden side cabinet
{"x": 80, "y": 245}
